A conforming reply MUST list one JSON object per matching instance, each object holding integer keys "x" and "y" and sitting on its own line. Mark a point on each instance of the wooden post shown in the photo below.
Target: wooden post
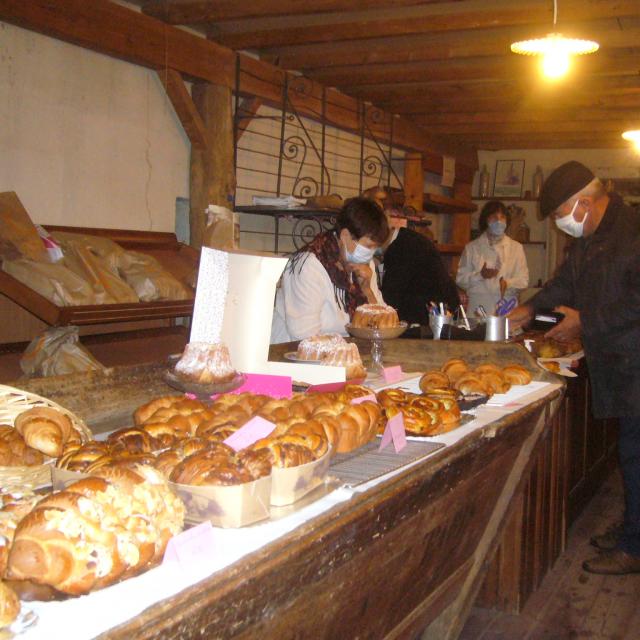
{"x": 413, "y": 181}
{"x": 212, "y": 178}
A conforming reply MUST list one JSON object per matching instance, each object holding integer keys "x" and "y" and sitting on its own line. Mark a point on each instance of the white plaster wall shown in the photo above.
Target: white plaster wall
{"x": 87, "y": 140}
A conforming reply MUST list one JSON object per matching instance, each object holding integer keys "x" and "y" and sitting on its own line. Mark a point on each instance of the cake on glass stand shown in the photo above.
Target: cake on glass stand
{"x": 376, "y": 336}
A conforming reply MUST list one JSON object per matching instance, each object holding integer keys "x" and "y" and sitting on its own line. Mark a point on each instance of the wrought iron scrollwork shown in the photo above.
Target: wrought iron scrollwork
{"x": 305, "y": 229}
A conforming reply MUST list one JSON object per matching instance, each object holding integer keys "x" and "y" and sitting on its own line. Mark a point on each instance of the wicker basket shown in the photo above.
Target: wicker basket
{"x": 12, "y": 403}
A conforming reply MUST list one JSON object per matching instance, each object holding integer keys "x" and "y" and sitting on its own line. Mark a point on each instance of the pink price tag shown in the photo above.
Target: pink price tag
{"x": 190, "y": 546}
{"x": 249, "y": 433}
{"x": 394, "y": 431}
{"x": 328, "y": 387}
{"x": 191, "y": 396}
{"x": 392, "y": 374}
{"x": 262, "y": 383}
{"x": 370, "y": 398}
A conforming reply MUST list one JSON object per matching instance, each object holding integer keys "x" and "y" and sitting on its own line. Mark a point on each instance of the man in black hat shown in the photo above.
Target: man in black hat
{"x": 597, "y": 289}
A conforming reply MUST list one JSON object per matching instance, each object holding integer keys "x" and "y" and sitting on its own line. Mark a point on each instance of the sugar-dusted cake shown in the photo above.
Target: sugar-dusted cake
{"x": 375, "y": 316}
{"x": 317, "y": 347}
{"x": 205, "y": 363}
{"x": 346, "y": 355}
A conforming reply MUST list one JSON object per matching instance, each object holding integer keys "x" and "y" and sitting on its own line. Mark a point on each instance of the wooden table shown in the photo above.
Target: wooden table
{"x": 405, "y": 557}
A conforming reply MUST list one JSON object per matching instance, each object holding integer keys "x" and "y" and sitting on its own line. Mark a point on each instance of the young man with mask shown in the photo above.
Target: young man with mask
{"x": 597, "y": 288}
{"x": 492, "y": 267}
{"x": 324, "y": 282}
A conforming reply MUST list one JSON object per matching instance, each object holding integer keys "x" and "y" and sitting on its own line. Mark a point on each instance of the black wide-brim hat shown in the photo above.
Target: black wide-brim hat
{"x": 562, "y": 183}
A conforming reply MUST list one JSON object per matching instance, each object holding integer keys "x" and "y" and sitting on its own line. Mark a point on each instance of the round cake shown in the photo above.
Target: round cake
{"x": 375, "y": 316}
{"x": 347, "y": 356}
{"x": 317, "y": 347}
{"x": 205, "y": 363}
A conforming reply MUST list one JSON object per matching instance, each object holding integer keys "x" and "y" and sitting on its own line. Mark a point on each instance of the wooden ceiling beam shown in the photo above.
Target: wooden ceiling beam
{"x": 204, "y": 11}
{"x": 472, "y": 130}
{"x": 578, "y": 141}
{"x": 525, "y": 116}
{"x": 611, "y": 34}
{"x": 491, "y": 68}
{"x": 443, "y": 16}
{"x": 115, "y": 30}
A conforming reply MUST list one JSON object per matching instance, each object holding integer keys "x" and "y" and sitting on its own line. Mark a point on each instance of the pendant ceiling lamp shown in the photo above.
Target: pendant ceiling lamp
{"x": 555, "y": 49}
{"x": 633, "y": 135}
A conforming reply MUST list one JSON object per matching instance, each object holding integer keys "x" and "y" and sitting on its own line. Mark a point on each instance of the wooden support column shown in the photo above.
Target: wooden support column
{"x": 413, "y": 181}
{"x": 212, "y": 178}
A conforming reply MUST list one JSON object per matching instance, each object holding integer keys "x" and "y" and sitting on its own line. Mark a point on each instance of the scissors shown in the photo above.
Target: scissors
{"x": 504, "y": 306}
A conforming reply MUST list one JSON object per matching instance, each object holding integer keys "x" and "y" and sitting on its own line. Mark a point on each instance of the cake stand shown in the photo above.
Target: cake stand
{"x": 377, "y": 337}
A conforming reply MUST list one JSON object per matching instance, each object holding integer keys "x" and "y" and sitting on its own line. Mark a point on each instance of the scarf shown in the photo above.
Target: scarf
{"x": 324, "y": 246}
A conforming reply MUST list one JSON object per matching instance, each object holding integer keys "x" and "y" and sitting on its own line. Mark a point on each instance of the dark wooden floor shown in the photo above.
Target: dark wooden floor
{"x": 572, "y": 603}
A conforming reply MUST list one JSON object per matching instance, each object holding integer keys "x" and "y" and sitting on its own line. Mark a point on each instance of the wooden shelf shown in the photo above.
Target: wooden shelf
{"x": 507, "y": 199}
{"x": 435, "y": 203}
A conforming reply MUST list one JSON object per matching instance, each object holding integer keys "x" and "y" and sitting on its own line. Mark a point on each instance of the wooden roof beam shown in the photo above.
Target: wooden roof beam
{"x": 443, "y": 16}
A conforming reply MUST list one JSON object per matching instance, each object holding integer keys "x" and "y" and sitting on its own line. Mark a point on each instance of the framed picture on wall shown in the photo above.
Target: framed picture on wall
{"x": 508, "y": 179}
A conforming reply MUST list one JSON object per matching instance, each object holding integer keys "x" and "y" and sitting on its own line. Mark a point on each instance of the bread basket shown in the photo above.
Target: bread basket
{"x": 12, "y": 403}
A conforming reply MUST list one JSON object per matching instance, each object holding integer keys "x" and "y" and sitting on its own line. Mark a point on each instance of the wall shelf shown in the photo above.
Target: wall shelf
{"x": 521, "y": 199}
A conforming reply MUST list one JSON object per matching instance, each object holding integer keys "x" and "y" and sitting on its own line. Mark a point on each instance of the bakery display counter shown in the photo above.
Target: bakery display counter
{"x": 391, "y": 558}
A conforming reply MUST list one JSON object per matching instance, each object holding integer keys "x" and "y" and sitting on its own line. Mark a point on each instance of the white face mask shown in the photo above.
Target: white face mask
{"x": 570, "y": 225}
{"x": 360, "y": 255}
{"x": 497, "y": 228}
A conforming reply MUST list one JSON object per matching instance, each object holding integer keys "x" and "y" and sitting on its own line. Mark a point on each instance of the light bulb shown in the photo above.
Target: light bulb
{"x": 555, "y": 63}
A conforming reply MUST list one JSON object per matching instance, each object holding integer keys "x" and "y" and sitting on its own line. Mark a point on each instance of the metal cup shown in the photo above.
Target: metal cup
{"x": 497, "y": 328}
{"x": 436, "y": 323}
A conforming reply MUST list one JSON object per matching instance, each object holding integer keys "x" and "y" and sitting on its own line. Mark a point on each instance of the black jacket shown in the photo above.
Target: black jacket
{"x": 415, "y": 274}
{"x": 601, "y": 279}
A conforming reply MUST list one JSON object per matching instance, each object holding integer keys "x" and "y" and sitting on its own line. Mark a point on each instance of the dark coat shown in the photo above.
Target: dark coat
{"x": 601, "y": 279}
{"x": 415, "y": 274}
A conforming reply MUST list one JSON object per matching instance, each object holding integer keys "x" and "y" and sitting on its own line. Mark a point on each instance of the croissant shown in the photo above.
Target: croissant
{"x": 472, "y": 384}
{"x": 44, "y": 429}
{"x": 488, "y": 367}
{"x": 516, "y": 374}
{"x": 454, "y": 368}
{"x": 15, "y": 452}
{"x": 495, "y": 380}
{"x": 434, "y": 380}
{"x": 9, "y": 605}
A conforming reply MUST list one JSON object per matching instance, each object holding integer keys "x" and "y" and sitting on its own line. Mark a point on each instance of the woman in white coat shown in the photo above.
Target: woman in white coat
{"x": 492, "y": 267}
{"x": 324, "y": 282}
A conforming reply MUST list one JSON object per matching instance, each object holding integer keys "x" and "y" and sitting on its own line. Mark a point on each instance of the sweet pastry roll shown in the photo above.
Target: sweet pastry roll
{"x": 144, "y": 412}
{"x": 454, "y": 368}
{"x": 197, "y": 463}
{"x": 516, "y": 374}
{"x": 449, "y": 404}
{"x": 283, "y": 454}
{"x": 78, "y": 459}
{"x": 44, "y": 429}
{"x": 417, "y": 421}
{"x": 132, "y": 440}
{"x": 9, "y": 605}
{"x": 392, "y": 397}
{"x": 353, "y": 391}
{"x": 165, "y": 434}
{"x": 130, "y": 461}
{"x": 434, "y": 380}
{"x": 256, "y": 462}
{"x": 427, "y": 403}
{"x": 311, "y": 436}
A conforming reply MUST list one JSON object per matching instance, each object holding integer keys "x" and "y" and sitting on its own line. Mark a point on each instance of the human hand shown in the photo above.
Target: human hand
{"x": 568, "y": 328}
{"x": 520, "y": 316}
{"x": 488, "y": 273}
{"x": 362, "y": 272}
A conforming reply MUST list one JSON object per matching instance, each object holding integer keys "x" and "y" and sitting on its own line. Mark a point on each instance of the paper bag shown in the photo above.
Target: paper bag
{"x": 17, "y": 229}
{"x": 56, "y": 352}
{"x": 223, "y": 228}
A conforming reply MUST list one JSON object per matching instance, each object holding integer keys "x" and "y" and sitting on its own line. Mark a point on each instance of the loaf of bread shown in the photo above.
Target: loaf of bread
{"x": 9, "y": 605}
{"x": 97, "y": 531}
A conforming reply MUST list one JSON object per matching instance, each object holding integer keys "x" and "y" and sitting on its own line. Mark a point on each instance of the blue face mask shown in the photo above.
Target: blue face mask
{"x": 360, "y": 255}
{"x": 497, "y": 227}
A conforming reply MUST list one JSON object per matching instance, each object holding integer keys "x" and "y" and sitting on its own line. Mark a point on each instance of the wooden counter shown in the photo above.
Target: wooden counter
{"x": 406, "y": 556}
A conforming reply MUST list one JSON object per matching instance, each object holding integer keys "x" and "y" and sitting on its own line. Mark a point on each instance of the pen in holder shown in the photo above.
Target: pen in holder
{"x": 437, "y": 322}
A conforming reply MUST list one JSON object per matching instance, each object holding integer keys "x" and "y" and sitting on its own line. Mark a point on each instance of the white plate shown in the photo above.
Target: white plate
{"x": 564, "y": 370}
{"x": 293, "y": 356}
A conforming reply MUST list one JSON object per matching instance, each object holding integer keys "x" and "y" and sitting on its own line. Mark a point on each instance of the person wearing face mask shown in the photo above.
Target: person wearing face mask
{"x": 492, "y": 267}
{"x": 324, "y": 282}
{"x": 597, "y": 288}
